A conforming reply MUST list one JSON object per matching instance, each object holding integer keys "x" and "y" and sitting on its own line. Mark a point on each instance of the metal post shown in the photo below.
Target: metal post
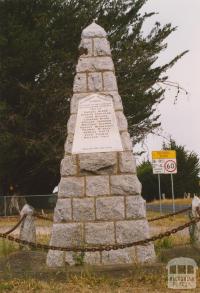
{"x": 159, "y": 188}
{"x": 5, "y": 206}
{"x": 172, "y": 182}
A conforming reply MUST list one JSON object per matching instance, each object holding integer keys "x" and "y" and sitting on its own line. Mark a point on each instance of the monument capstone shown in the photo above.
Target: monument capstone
{"x": 99, "y": 196}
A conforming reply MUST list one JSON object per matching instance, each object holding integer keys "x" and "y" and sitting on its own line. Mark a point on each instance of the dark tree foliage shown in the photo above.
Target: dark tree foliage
{"x": 186, "y": 180}
{"x": 38, "y": 52}
{"x": 148, "y": 180}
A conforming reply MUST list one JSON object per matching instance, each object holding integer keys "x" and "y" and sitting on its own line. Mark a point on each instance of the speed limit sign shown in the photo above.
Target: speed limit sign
{"x": 164, "y": 162}
{"x": 170, "y": 166}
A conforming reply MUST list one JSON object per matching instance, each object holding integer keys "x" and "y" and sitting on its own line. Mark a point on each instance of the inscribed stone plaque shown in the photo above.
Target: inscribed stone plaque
{"x": 96, "y": 126}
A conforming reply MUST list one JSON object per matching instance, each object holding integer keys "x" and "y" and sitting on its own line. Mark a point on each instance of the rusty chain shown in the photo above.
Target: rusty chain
{"x": 101, "y": 247}
{"x": 169, "y": 215}
{"x": 17, "y": 225}
{"x": 43, "y": 217}
{"x": 149, "y": 220}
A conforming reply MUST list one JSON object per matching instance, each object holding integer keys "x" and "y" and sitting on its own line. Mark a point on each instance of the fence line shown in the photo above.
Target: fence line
{"x": 149, "y": 220}
{"x": 170, "y": 214}
{"x": 100, "y": 247}
{"x": 12, "y": 204}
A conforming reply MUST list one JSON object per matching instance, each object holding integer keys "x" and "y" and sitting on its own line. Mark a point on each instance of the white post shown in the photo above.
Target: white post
{"x": 195, "y": 214}
{"x": 27, "y": 230}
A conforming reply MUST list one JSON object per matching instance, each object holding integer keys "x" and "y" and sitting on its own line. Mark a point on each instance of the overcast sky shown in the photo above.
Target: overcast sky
{"x": 181, "y": 121}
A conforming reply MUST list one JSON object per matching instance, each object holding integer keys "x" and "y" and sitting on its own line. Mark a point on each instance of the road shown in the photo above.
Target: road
{"x": 166, "y": 208}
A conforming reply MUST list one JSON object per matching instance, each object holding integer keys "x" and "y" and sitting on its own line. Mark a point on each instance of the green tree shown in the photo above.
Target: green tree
{"x": 148, "y": 180}
{"x": 38, "y": 53}
{"x": 188, "y": 169}
{"x": 186, "y": 180}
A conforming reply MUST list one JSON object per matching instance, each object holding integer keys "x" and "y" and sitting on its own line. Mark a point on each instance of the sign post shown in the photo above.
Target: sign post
{"x": 159, "y": 188}
{"x": 172, "y": 182}
{"x": 164, "y": 162}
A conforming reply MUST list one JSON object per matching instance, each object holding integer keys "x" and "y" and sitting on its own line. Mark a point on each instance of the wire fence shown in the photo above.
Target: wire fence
{"x": 45, "y": 203}
{"x": 188, "y": 209}
{"x": 12, "y": 205}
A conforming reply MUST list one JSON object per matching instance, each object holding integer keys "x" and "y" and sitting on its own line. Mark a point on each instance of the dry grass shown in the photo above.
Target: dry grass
{"x": 11, "y": 221}
{"x": 44, "y": 239}
{"x": 167, "y": 222}
{"x": 179, "y": 239}
{"x": 138, "y": 282}
{"x": 7, "y": 247}
{"x": 178, "y": 201}
{"x": 88, "y": 283}
{"x": 157, "y": 226}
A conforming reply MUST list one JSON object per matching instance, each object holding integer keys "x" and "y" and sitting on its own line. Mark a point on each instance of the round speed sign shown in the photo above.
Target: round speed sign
{"x": 170, "y": 166}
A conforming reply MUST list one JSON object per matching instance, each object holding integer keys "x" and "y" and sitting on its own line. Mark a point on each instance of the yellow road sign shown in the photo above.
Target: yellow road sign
{"x": 159, "y": 155}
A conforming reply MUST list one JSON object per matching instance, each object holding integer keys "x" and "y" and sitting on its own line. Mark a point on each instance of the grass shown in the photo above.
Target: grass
{"x": 11, "y": 221}
{"x": 178, "y": 201}
{"x": 44, "y": 239}
{"x": 160, "y": 225}
{"x": 167, "y": 222}
{"x": 7, "y": 247}
{"x": 138, "y": 280}
{"x": 170, "y": 242}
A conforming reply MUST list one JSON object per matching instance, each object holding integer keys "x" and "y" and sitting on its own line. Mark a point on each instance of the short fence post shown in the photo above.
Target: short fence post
{"x": 196, "y": 227}
{"x": 27, "y": 230}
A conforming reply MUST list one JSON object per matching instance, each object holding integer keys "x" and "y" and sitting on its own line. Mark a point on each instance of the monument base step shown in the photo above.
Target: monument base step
{"x": 132, "y": 255}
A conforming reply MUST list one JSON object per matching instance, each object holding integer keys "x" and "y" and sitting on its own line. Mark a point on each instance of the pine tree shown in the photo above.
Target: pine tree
{"x": 38, "y": 52}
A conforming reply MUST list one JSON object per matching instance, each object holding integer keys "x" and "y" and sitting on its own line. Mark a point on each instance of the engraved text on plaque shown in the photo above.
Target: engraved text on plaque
{"x": 96, "y": 126}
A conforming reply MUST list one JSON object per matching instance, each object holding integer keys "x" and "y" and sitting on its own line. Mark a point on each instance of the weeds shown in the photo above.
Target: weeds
{"x": 137, "y": 281}
{"x": 6, "y": 286}
{"x": 79, "y": 258}
{"x": 6, "y": 247}
{"x": 164, "y": 243}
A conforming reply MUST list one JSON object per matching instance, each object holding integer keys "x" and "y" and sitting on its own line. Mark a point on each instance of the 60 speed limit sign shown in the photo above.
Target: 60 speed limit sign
{"x": 164, "y": 162}
{"x": 170, "y": 166}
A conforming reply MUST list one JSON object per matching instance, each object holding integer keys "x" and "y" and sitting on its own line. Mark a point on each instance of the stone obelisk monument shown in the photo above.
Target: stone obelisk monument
{"x": 99, "y": 197}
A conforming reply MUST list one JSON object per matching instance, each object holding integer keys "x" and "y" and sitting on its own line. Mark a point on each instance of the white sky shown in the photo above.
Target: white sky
{"x": 181, "y": 121}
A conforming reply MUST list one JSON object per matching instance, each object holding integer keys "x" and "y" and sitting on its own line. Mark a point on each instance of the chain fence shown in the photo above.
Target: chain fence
{"x": 16, "y": 226}
{"x": 34, "y": 245}
{"x": 100, "y": 247}
{"x": 45, "y": 203}
{"x": 39, "y": 216}
{"x": 170, "y": 215}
